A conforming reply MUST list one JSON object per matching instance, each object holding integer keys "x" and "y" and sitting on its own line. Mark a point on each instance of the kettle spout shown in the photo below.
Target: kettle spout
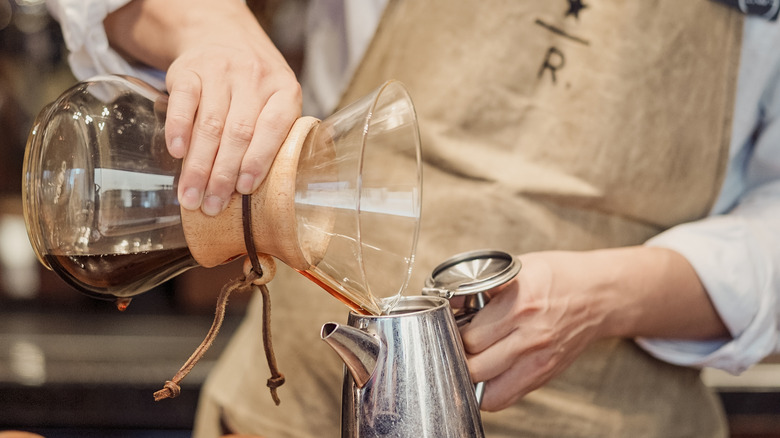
{"x": 358, "y": 349}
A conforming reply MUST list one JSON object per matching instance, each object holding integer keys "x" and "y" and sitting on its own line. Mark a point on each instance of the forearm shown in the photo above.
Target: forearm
{"x": 653, "y": 292}
{"x": 156, "y": 32}
{"x": 561, "y": 301}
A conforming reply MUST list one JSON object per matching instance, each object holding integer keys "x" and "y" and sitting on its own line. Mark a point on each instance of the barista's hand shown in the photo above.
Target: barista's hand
{"x": 561, "y": 302}
{"x": 232, "y": 102}
{"x": 532, "y": 329}
{"x": 233, "y": 97}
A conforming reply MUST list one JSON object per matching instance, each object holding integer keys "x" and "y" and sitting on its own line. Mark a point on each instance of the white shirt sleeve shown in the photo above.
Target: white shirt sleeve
{"x": 736, "y": 250}
{"x": 85, "y": 37}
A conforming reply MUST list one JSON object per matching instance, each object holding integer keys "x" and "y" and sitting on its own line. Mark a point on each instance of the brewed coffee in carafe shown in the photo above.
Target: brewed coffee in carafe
{"x": 341, "y": 203}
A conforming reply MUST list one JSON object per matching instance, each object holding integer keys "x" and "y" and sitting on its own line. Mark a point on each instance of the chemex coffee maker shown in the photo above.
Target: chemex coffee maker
{"x": 341, "y": 204}
{"x": 101, "y": 207}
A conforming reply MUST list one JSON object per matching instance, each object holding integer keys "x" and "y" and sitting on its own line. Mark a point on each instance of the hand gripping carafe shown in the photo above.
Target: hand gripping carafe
{"x": 101, "y": 208}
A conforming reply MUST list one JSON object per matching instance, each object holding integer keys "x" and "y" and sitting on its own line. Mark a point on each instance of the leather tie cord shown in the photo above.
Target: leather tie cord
{"x": 251, "y": 280}
{"x": 277, "y": 379}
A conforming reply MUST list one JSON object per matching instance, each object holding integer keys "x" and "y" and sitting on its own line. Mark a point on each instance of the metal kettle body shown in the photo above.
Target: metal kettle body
{"x": 405, "y": 373}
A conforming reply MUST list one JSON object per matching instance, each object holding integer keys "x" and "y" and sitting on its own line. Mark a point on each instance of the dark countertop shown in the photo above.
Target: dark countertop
{"x": 100, "y": 371}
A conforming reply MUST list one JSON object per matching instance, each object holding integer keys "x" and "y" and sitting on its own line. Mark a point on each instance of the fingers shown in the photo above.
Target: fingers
{"x": 512, "y": 367}
{"x": 513, "y": 384}
{"x": 273, "y": 125}
{"x": 491, "y": 342}
{"x": 492, "y": 362}
{"x": 184, "y": 96}
{"x": 227, "y": 123}
{"x": 230, "y": 147}
{"x": 503, "y": 351}
{"x": 494, "y": 322}
{"x": 205, "y": 139}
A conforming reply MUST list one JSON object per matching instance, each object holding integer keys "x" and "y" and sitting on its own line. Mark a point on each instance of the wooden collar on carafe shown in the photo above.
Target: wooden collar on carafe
{"x": 214, "y": 240}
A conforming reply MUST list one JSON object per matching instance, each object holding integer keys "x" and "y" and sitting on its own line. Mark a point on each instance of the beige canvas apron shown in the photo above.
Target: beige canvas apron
{"x": 544, "y": 126}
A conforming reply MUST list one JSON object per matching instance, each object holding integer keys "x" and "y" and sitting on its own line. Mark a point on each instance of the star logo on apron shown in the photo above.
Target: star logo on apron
{"x": 575, "y": 6}
{"x": 555, "y": 59}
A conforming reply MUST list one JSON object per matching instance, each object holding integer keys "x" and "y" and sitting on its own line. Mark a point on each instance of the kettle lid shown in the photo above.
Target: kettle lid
{"x": 472, "y": 272}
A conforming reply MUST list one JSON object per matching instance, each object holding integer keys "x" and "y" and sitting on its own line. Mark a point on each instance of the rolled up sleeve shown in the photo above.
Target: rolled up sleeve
{"x": 736, "y": 250}
{"x": 737, "y": 258}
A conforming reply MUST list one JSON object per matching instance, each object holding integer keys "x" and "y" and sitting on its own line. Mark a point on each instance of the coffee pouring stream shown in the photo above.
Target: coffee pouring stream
{"x": 341, "y": 203}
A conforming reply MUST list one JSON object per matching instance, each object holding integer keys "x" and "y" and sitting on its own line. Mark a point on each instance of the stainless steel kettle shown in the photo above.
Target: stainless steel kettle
{"x": 405, "y": 373}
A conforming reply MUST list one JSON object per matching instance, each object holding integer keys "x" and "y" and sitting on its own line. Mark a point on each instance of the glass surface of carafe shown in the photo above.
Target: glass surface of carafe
{"x": 341, "y": 203}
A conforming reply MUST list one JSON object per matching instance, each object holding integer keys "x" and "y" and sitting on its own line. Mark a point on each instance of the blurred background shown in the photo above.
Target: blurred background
{"x": 72, "y": 366}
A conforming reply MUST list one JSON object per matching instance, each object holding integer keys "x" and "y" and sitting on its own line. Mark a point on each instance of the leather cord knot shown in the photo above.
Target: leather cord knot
{"x": 275, "y": 382}
{"x": 170, "y": 390}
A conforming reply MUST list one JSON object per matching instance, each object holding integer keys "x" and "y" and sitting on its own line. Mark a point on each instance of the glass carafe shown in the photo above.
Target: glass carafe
{"x": 341, "y": 203}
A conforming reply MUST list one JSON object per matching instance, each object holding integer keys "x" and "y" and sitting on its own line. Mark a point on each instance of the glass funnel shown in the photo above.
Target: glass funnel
{"x": 101, "y": 208}
{"x": 371, "y": 192}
